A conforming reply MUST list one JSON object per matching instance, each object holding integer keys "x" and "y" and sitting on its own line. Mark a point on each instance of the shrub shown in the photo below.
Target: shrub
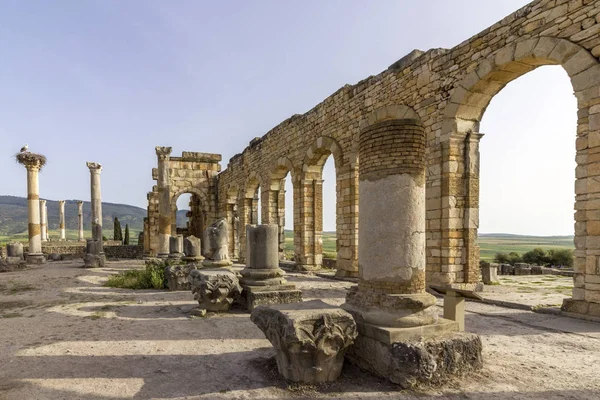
{"x": 126, "y": 238}
{"x": 151, "y": 277}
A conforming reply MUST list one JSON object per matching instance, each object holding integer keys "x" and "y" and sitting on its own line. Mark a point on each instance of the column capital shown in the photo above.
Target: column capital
{"x": 163, "y": 152}
{"x": 94, "y": 167}
{"x": 31, "y": 161}
{"x": 42, "y": 202}
{"x": 79, "y": 202}
{"x": 61, "y": 202}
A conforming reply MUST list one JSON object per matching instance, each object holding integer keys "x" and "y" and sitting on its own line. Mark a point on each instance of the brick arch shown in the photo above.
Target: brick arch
{"x": 460, "y": 148}
{"x": 471, "y": 97}
{"x": 282, "y": 167}
{"x": 253, "y": 182}
{"x": 202, "y": 195}
{"x": 396, "y": 111}
{"x": 319, "y": 151}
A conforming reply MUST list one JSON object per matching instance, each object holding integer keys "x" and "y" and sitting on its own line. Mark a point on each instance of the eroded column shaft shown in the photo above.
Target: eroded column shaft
{"x": 61, "y": 217}
{"x": 80, "y": 220}
{"x": 164, "y": 201}
{"x": 43, "y": 219}
{"x": 391, "y": 255}
{"x": 33, "y": 203}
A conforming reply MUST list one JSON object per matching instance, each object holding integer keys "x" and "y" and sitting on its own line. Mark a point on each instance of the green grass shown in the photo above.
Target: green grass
{"x": 329, "y": 243}
{"x": 491, "y": 244}
{"x": 71, "y": 234}
{"x": 151, "y": 277}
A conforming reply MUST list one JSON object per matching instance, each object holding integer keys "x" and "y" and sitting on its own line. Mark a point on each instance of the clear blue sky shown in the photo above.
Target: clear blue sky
{"x": 107, "y": 81}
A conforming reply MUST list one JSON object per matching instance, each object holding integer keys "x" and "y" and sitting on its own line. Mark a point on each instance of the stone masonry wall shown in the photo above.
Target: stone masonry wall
{"x": 448, "y": 90}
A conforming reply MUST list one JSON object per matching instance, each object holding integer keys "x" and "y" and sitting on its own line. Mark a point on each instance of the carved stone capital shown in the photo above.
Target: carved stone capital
{"x": 310, "y": 338}
{"x": 163, "y": 152}
{"x": 214, "y": 290}
{"x": 94, "y": 167}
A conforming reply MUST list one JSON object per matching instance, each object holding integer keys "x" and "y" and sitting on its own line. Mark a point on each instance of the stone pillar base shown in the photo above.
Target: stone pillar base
{"x": 94, "y": 260}
{"x": 254, "y": 296}
{"x": 176, "y": 256}
{"x": 36, "y": 258}
{"x": 581, "y": 308}
{"x": 342, "y": 273}
{"x": 409, "y": 356}
{"x": 217, "y": 263}
{"x": 162, "y": 255}
{"x": 306, "y": 267}
{"x": 192, "y": 259}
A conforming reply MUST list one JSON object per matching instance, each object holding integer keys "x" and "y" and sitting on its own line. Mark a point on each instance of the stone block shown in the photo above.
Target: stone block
{"x": 177, "y": 276}
{"x": 192, "y": 248}
{"x": 523, "y": 269}
{"x": 430, "y": 360}
{"x": 176, "y": 246}
{"x": 310, "y": 339}
{"x": 489, "y": 273}
{"x": 215, "y": 290}
{"x": 94, "y": 260}
{"x": 14, "y": 249}
{"x": 254, "y": 296}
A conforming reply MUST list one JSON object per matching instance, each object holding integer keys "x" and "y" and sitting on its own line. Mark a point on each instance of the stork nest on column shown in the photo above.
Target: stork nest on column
{"x": 29, "y": 159}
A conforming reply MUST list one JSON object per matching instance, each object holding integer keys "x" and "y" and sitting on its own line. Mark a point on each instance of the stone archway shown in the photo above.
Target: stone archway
{"x": 460, "y": 154}
{"x": 197, "y": 215}
{"x": 248, "y": 209}
{"x": 274, "y": 198}
{"x": 308, "y": 201}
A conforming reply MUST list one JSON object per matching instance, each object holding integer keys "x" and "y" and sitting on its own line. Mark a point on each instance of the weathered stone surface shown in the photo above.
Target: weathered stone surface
{"x": 176, "y": 246}
{"x": 310, "y": 339}
{"x": 263, "y": 281}
{"x": 14, "y": 249}
{"x": 537, "y": 270}
{"x": 10, "y": 264}
{"x": 177, "y": 276}
{"x": 429, "y": 360}
{"x": 489, "y": 273}
{"x": 216, "y": 245}
{"x": 215, "y": 290}
{"x": 522, "y": 269}
{"x": 192, "y": 248}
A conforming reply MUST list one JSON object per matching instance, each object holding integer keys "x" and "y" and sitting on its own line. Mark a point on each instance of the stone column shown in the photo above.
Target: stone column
{"x": 391, "y": 254}
{"x": 164, "y": 205}
{"x": 400, "y": 334}
{"x": 61, "y": 218}
{"x": 33, "y": 165}
{"x": 94, "y": 248}
{"x": 80, "y": 220}
{"x": 262, "y": 279}
{"x": 43, "y": 218}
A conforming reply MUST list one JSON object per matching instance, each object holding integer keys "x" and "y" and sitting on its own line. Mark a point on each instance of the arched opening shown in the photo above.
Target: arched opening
{"x": 527, "y": 171}
{"x": 460, "y": 159}
{"x": 233, "y": 219}
{"x": 318, "y": 202}
{"x": 249, "y": 210}
{"x": 189, "y": 215}
{"x": 280, "y": 206}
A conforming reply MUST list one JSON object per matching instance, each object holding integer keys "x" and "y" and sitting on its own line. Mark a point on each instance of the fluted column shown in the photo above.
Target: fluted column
{"x": 61, "y": 217}
{"x": 43, "y": 219}
{"x": 80, "y": 220}
{"x": 164, "y": 201}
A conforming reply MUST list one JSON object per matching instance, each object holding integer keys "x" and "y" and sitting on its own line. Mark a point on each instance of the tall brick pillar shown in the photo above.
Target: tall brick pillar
{"x": 391, "y": 256}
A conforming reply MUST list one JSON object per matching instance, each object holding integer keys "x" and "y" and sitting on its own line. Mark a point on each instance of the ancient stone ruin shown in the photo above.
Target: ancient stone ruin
{"x": 94, "y": 254}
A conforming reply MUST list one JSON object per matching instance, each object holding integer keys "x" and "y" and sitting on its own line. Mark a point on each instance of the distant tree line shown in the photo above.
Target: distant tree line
{"x": 538, "y": 256}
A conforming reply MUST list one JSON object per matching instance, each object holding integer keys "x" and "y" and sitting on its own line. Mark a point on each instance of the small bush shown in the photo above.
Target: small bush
{"x": 152, "y": 277}
{"x": 332, "y": 255}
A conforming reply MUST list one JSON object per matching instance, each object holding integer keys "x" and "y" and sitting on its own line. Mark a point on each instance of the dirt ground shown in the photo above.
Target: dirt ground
{"x": 65, "y": 336}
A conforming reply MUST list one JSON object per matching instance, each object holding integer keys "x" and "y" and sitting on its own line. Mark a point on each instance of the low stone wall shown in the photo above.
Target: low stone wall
{"x": 527, "y": 269}
{"x": 120, "y": 251}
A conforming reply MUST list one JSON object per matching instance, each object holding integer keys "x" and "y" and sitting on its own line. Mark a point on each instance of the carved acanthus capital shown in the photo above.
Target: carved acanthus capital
{"x": 42, "y": 203}
{"x": 163, "y": 152}
{"x": 94, "y": 167}
{"x": 61, "y": 202}
{"x": 214, "y": 290}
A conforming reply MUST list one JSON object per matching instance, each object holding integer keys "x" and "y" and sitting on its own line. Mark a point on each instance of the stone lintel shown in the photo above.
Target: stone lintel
{"x": 254, "y": 296}
{"x": 393, "y": 335}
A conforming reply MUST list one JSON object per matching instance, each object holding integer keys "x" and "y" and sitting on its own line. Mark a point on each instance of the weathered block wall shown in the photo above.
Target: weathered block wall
{"x": 129, "y": 252}
{"x": 448, "y": 90}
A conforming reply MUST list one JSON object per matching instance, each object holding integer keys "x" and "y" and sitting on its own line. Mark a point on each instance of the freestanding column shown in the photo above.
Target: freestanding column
{"x": 94, "y": 249}
{"x": 400, "y": 335}
{"x": 45, "y": 221}
{"x": 262, "y": 279}
{"x": 33, "y": 162}
{"x": 391, "y": 254}
{"x": 61, "y": 217}
{"x": 164, "y": 201}
{"x": 80, "y": 220}
{"x": 43, "y": 216}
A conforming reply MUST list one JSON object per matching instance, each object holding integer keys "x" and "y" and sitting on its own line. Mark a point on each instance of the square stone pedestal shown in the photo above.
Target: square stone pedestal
{"x": 254, "y": 296}
{"x": 581, "y": 309}
{"x": 424, "y": 354}
{"x": 36, "y": 259}
{"x": 94, "y": 260}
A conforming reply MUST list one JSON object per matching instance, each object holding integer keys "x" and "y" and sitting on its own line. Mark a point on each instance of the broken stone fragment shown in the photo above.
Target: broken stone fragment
{"x": 310, "y": 338}
{"x": 215, "y": 290}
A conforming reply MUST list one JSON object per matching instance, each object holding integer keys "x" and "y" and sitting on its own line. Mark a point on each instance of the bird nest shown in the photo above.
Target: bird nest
{"x": 26, "y": 158}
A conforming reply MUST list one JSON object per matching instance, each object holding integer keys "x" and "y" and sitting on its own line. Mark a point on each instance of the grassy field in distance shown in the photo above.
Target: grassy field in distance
{"x": 71, "y": 235}
{"x": 489, "y": 244}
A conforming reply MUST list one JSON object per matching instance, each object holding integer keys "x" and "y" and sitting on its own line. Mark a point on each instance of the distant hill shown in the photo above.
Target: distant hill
{"x": 13, "y": 215}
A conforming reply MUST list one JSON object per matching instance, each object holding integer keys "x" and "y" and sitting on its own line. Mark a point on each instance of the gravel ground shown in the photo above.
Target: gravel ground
{"x": 65, "y": 336}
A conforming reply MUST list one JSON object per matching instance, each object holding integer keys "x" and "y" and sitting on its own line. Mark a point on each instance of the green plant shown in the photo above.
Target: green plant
{"x": 151, "y": 277}
{"x": 117, "y": 232}
{"x": 126, "y": 238}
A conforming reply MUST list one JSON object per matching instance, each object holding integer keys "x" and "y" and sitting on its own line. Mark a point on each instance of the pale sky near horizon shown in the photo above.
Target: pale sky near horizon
{"x": 108, "y": 80}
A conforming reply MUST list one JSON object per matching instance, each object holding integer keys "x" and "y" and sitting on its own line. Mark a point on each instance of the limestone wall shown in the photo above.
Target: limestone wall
{"x": 447, "y": 90}
{"x": 129, "y": 252}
